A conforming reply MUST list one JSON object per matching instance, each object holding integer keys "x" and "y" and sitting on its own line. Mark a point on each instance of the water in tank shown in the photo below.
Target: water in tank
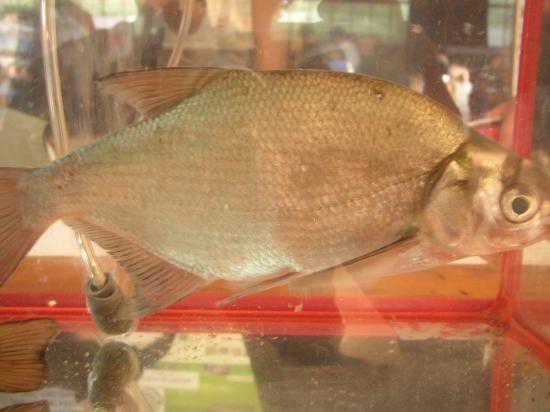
{"x": 268, "y": 205}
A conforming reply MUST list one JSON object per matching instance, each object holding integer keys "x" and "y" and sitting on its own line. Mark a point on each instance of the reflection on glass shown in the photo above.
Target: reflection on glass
{"x": 202, "y": 372}
{"x": 147, "y": 372}
{"x": 462, "y": 54}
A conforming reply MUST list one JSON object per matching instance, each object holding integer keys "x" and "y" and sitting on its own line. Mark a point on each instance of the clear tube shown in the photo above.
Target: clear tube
{"x": 183, "y": 32}
{"x": 57, "y": 114}
{"x": 58, "y": 122}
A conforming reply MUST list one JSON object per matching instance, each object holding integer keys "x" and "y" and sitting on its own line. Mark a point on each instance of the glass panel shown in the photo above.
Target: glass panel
{"x": 205, "y": 372}
{"x": 347, "y": 337}
{"x": 368, "y": 37}
{"x": 530, "y": 383}
{"x": 534, "y": 292}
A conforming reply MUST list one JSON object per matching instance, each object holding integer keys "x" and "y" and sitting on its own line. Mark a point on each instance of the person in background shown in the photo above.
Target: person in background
{"x": 490, "y": 93}
{"x": 425, "y": 57}
{"x": 493, "y": 79}
{"x": 460, "y": 87}
{"x": 336, "y": 61}
{"x": 311, "y": 56}
{"x": 366, "y": 47}
{"x": 479, "y": 99}
{"x": 341, "y": 41}
{"x": 382, "y": 60}
{"x": 172, "y": 14}
{"x": 167, "y": 22}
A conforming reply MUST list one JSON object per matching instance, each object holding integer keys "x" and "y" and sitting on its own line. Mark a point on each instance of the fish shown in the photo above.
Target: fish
{"x": 263, "y": 177}
{"x": 22, "y": 347}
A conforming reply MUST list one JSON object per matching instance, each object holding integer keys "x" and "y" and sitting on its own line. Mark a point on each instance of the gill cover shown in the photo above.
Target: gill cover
{"x": 486, "y": 200}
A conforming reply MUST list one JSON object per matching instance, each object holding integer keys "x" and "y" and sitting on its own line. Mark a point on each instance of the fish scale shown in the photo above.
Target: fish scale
{"x": 313, "y": 196}
{"x": 263, "y": 176}
{"x": 267, "y": 183}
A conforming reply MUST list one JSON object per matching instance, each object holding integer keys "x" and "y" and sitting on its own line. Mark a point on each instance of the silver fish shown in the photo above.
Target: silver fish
{"x": 263, "y": 177}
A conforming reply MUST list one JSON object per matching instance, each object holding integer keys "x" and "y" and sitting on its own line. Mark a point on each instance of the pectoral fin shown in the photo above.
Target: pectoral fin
{"x": 405, "y": 255}
{"x": 410, "y": 253}
{"x": 272, "y": 280}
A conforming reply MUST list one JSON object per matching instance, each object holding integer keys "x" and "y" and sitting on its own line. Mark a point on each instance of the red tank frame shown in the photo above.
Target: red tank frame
{"x": 320, "y": 315}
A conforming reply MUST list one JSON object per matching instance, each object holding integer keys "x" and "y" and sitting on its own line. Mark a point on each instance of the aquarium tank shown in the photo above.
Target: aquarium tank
{"x": 460, "y": 332}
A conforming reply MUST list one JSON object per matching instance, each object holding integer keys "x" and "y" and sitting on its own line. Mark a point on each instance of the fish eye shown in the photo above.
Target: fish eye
{"x": 519, "y": 204}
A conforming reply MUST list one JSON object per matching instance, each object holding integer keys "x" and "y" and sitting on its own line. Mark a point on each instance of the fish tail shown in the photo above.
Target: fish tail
{"x": 17, "y": 235}
{"x": 23, "y": 345}
{"x": 41, "y": 406}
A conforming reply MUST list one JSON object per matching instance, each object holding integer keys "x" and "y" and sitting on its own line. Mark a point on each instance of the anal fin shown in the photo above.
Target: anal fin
{"x": 157, "y": 283}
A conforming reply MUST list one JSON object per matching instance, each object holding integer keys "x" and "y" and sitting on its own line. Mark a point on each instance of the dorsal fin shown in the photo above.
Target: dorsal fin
{"x": 152, "y": 92}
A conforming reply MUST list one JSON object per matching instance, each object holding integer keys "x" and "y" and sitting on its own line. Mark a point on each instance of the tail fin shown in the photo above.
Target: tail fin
{"x": 41, "y": 406}
{"x": 15, "y": 238}
{"x": 22, "y": 348}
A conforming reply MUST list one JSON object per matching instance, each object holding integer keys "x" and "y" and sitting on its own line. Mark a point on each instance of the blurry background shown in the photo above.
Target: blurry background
{"x": 459, "y": 52}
